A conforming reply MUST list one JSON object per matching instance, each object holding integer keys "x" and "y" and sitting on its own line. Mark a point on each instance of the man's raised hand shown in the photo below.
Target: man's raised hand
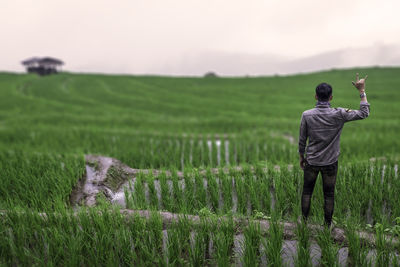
{"x": 360, "y": 83}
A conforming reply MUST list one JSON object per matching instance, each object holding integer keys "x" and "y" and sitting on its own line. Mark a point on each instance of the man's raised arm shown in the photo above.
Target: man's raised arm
{"x": 363, "y": 112}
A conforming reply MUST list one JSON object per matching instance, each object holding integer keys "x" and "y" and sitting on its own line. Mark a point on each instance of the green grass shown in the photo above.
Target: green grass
{"x": 38, "y": 180}
{"x": 142, "y": 119}
{"x": 47, "y": 124}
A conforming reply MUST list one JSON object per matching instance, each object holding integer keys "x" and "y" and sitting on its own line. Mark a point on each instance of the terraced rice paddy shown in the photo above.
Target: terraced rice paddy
{"x": 145, "y": 171}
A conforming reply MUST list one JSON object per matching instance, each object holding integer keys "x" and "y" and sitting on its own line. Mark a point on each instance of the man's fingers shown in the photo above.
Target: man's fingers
{"x": 357, "y": 77}
{"x": 366, "y": 76}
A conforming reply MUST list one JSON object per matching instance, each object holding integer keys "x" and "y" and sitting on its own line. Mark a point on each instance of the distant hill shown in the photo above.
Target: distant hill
{"x": 269, "y": 64}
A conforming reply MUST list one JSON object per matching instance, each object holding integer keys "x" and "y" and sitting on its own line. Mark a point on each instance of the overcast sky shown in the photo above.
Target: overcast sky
{"x": 190, "y": 37}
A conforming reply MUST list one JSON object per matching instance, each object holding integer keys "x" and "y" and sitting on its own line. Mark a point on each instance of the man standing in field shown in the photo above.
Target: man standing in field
{"x": 322, "y": 127}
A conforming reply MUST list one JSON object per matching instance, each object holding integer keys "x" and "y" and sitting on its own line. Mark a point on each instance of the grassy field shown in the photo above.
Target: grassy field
{"x": 48, "y": 124}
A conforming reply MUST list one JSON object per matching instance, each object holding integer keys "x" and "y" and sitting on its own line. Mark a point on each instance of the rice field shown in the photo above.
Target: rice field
{"x": 183, "y": 171}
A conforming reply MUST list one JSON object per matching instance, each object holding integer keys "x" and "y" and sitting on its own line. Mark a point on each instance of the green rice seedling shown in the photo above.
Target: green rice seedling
{"x": 391, "y": 192}
{"x": 329, "y": 250}
{"x": 152, "y": 192}
{"x": 167, "y": 152}
{"x": 353, "y": 184}
{"x": 200, "y": 191}
{"x": 122, "y": 238}
{"x": 222, "y": 249}
{"x": 213, "y": 190}
{"x": 200, "y": 151}
{"x": 251, "y": 188}
{"x": 166, "y": 201}
{"x": 125, "y": 255}
{"x": 177, "y": 194}
{"x": 273, "y": 244}
{"x": 178, "y": 153}
{"x": 144, "y": 243}
{"x": 102, "y": 232}
{"x": 138, "y": 195}
{"x": 264, "y": 185}
{"x": 38, "y": 180}
{"x": 13, "y": 239}
{"x": 241, "y": 152}
{"x": 207, "y": 160}
{"x": 257, "y": 185}
{"x": 303, "y": 257}
{"x": 250, "y": 150}
{"x": 357, "y": 186}
{"x": 378, "y": 195}
{"x": 199, "y": 250}
{"x": 395, "y": 260}
{"x": 297, "y": 176}
{"x": 174, "y": 248}
{"x": 185, "y": 155}
{"x": 62, "y": 238}
{"x": 382, "y": 249}
{"x": 196, "y": 152}
{"x": 316, "y": 210}
{"x": 357, "y": 252}
{"x": 189, "y": 205}
{"x": 223, "y": 243}
{"x": 365, "y": 187}
{"x": 255, "y": 195}
{"x": 232, "y": 149}
{"x": 241, "y": 193}
{"x": 276, "y": 189}
{"x": 178, "y": 243}
{"x": 252, "y": 241}
{"x": 128, "y": 200}
{"x": 214, "y": 151}
{"x": 224, "y": 151}
{"x": 341, "y": 195}
{"x": 155, "y": 228}
{"x": 226, "y": 187}
{"x": 253, "y": 151}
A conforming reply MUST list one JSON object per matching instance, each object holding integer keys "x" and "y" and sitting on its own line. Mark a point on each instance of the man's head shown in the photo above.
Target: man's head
{"x": 323, "y": 92}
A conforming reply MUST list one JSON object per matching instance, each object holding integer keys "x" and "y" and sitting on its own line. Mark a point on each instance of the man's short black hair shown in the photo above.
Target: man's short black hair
{"x": 323, "y": 91}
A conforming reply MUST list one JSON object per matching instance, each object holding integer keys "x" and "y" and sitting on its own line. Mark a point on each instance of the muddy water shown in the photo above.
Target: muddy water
{"x": 91, "y": 188}
{"x": 92, "y": 185}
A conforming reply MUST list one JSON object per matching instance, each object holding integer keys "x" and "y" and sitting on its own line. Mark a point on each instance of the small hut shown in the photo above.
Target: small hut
{"x": 210, "y": 74}
{"x": 42, "y": 66}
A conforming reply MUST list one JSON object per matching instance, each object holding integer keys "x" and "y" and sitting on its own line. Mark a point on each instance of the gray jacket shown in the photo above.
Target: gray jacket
{"x": 322, "y": 126}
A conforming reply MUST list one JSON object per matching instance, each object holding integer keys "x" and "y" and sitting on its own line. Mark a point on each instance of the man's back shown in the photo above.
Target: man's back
{"x": 322, "y": 126}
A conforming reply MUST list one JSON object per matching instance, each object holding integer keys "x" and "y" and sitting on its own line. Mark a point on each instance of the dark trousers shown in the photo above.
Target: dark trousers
{"x": 329, "y": 173}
